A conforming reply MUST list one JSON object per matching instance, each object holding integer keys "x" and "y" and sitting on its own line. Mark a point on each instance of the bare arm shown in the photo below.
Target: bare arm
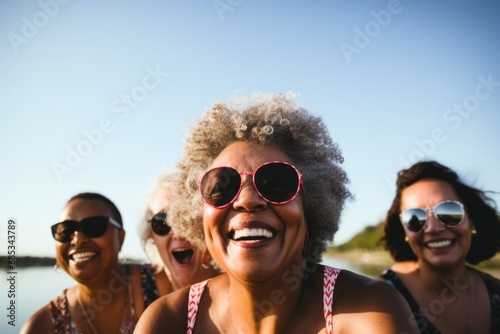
{"x": 365, "y": 305}
{"x": 168, "y": 314}
{"x": 38, "y": 322}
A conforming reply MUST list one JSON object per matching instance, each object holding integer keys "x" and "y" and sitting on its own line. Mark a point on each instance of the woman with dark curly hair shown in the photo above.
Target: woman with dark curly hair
{"x": 272, "y": 193}
{"x": 435, "y": 226}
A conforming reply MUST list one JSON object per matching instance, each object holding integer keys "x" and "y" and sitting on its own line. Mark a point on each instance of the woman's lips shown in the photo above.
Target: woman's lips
{"x": 183, "y": 255}
{"x": 82, "y": 257}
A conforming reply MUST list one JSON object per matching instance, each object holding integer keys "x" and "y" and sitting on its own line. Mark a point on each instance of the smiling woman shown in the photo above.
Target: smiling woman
{"x": 260, "y": 189}
{"x": 88, "y": 238}
{"x": 435, "y": 226}
{"x": 179, "y": 259}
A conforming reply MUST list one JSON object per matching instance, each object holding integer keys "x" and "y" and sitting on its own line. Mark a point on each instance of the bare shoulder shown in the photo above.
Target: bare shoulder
{"x": 38, "y": 322}
{"x": 404, "y": 267}
{"x": 401, "y": 269}
{"x": 134, "y": 268}
{"x": 368, "y": 289}
{"x": 162, "y": 283}
{"x": 167, "y": 314}
{"x": 367, "y": 305}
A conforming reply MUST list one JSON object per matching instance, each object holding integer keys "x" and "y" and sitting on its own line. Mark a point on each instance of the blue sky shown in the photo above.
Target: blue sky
{"x": 97, "y": 97}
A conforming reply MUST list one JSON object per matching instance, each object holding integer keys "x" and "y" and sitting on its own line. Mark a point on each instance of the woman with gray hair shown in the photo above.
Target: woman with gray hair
{"x": 272, "y": 193}
{"x": 166, "y": 250}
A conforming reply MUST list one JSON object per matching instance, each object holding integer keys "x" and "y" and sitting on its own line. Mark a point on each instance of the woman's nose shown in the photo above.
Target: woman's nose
{"x": 77, "y": 238}
{"x": 433, "y": 224}
{"x": 248, "y": 198}
{"x": 177, "y": 237}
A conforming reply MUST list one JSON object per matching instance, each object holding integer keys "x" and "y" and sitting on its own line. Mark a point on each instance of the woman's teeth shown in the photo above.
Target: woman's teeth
{"x": 252, "y": 233}
{"x": 439, "y": 244}
{"x": 82, "y": 257}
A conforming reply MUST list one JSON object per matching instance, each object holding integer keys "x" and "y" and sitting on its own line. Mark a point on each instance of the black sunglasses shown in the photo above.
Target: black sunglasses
{"x": 276, "y": 182}
{"x": 159, "y": 224}
{"x": 92, "y": 227}
{"x": 448, "y": 213}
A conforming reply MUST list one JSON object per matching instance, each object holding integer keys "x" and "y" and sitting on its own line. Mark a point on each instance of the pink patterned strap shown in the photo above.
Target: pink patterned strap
{"x": 195, "y": 293}
{"x": 329, "y": 278}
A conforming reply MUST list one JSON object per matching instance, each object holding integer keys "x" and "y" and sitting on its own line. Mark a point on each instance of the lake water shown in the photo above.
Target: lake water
{"x": 35, "y": 286}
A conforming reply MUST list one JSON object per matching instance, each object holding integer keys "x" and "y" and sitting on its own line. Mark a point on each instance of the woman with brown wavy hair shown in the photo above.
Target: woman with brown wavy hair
{"x": 436, "y": 226}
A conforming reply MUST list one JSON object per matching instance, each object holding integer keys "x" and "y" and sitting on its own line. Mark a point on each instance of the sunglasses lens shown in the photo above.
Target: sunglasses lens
{"x": 450, "y": 213}
{"x": 159, "y": 225}
{"x": 220, "y": 186}
{"x": 94, "y": 227}
{"x": 62, "y": 231}
{"x": 414, "y": 219}
{"x": 277, "y": 182}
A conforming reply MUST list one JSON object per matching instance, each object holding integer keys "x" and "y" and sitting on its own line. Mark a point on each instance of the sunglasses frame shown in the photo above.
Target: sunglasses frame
{"x": 300, "y": 185}
{"x": 78, "y": 227}
{"x": 150, "y": 221}
{"x": 432, "y": 209}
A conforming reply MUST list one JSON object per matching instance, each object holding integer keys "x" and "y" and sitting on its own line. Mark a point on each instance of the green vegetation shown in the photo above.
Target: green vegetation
{"x": 368, "y": 239}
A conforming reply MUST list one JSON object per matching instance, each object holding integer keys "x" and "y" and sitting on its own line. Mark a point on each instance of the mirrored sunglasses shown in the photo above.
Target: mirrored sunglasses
{"x": 276, "y": 182}
{"x": 159, "y": 224}
{"x": 92, "y": 227}
{"x": 448, "y": 213}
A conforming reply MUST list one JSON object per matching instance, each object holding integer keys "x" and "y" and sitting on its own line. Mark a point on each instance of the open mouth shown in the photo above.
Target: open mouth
{"x": 439, "y": 244}
{"x": 251, "y": 234}
{"x": 183, "y": 256}
{"x": 82, "y": 257}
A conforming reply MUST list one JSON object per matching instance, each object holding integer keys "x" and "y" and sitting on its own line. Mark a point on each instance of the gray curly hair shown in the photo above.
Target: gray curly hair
{"x": 266, "y": 119}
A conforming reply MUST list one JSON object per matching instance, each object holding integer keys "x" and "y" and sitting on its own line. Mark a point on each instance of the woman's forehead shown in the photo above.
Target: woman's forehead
{"x": 246, "y": 154}
{"x": 81, "y": 208}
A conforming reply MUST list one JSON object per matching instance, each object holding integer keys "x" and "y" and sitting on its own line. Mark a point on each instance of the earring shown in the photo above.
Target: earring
{"x": 205, "y": 259}
{"x": 474, "y": 231}
{"x": 406, "y": 238}
{"x": 57, "y": 268}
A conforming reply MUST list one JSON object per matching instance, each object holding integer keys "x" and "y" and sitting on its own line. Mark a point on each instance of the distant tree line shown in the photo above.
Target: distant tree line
{"x": 28, "y": 261}
{"x": 368, "y": 239}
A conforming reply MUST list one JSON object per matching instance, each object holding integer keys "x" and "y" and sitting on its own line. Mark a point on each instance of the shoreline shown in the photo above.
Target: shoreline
{"x": 382, "y": 258}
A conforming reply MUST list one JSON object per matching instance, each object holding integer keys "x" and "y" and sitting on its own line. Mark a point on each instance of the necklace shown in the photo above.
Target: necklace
{"x": 87, "y": 318}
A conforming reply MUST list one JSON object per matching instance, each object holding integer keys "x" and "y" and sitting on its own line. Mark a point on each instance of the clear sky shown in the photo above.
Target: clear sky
{"x": 97, "y": 96}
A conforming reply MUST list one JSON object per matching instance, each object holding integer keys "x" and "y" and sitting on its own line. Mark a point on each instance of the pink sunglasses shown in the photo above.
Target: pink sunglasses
{"x": 277, "y": 182}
